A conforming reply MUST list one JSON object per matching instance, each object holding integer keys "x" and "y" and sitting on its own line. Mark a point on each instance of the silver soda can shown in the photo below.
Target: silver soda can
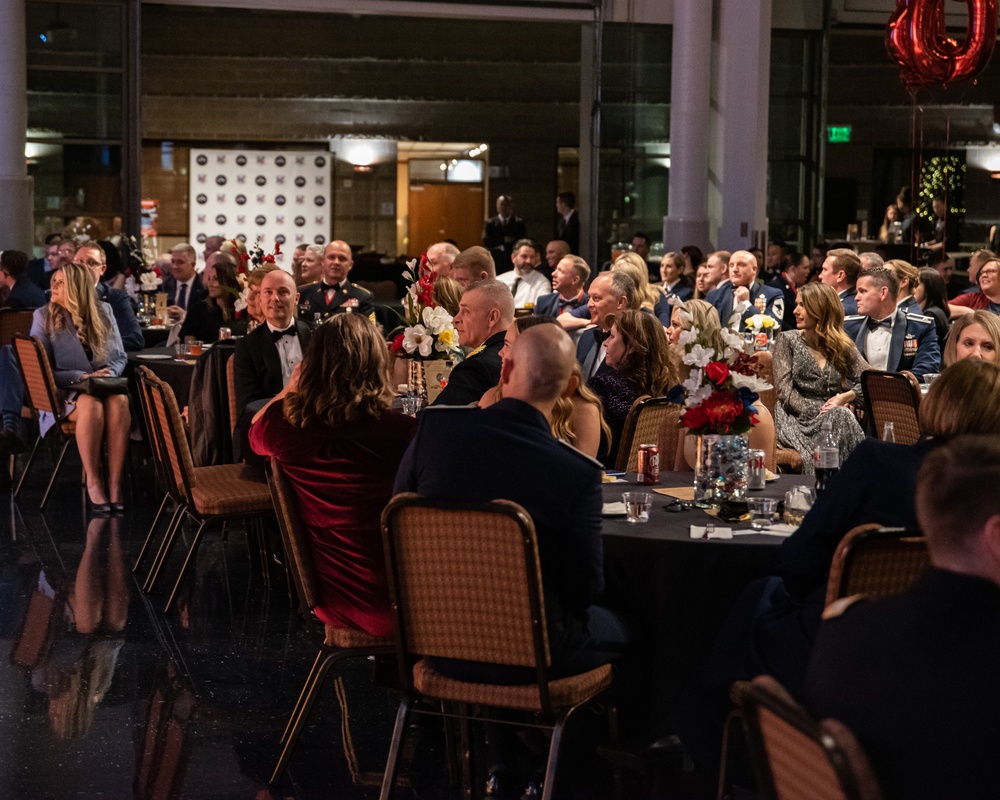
{"x": 225, "y": 333}
{"x": 648, "y": 466}
{"x": 757, "y": 474}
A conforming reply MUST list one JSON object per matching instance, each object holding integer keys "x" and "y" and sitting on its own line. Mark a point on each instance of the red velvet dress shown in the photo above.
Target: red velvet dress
{"x": 342, "y": 478}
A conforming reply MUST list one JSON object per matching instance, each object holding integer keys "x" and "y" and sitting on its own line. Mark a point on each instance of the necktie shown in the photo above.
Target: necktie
{"x": 289, "y": 331}
{"x": 182, "y": 296}
{"x": 517, "y": 282}
{"x": 875, "y": 324}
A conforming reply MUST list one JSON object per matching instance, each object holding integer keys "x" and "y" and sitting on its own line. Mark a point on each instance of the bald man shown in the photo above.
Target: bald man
{"x": 557, "y": 485}
{"x": 440, "y": 257}
{"x": 744, "y": 294}
{"x": 335, "y": 294}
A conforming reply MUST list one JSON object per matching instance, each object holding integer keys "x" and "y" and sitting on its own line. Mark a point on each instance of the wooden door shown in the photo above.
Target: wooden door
{"x": 440, "y": 211}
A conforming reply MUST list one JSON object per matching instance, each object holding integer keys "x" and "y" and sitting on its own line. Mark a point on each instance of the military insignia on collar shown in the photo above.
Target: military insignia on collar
{"x": 477, "y": 351}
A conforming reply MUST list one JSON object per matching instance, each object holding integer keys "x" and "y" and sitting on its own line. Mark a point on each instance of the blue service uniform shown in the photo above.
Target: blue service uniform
{"x": 914, "y": 345}
{"x": 763, "y": 300}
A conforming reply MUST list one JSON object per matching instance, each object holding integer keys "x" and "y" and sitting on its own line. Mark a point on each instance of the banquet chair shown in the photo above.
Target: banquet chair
{"x": 875, "y": 561}
{"x": 892, "y": 397}
{"x": 650, "y": 420}
{"x": 172, "y": 492}
{"x": 223, "y": 493}
{"x": 42, "y": 394}
{"x": 14, "y": 321}
{"x": 796, "y": 757}
{"x": 234, "y": 412}
{"x": 785, "y": 460}
{"x": 445, "y": 605}
{"x": 335, "y": 643}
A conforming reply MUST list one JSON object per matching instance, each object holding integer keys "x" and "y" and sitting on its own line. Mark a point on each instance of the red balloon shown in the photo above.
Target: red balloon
{"x": 927, "y": 56}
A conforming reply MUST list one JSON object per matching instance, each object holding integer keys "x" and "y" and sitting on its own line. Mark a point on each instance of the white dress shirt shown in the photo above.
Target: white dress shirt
{"x": 289, "y": 352}
{"x": 529, "y": 286}
{"x": 877, "y": 347}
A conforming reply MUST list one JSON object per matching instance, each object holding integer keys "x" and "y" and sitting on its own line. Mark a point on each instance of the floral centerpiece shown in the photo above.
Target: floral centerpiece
{"x": 763, "y": 327}
{"x": 247, "y": 262}
{"x": 427, "y": 332}
{"x": 718, "y": 398}
{"x": 141, "y": 278}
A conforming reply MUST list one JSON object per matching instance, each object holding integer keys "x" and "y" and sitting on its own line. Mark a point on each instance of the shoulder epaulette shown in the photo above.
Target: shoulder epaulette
{"x": 854, "y": 316}
{"x": 920, "y": 317}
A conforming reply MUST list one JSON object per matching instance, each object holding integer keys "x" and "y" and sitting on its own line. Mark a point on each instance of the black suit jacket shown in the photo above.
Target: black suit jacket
{"x": 499, "y": 239}
{"x": 548, "y": 304}
{"x": 128, "y": 325}
{"x": 557, "y": 485}
{"x": 569, "y": 231}
{"x": 39, "y": 276}
{"x": 914, "y": 678}
{"x": 257, "y": 369}
{"x": 470, "y": 379}
{"x": 25, "y": 294}
{"x": 197, "y": 293}
{"x": 312, "y": 301}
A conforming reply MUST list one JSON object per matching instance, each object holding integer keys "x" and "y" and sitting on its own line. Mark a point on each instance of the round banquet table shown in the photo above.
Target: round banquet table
{"x": 676, "y": 590}
{"x": 175, "y": 373}
{"x": 154, "y": 335}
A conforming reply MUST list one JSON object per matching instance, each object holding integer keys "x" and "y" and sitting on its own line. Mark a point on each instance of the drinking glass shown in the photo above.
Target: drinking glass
{"x": 637, "y": 506}
{"x": 762, "y": 512}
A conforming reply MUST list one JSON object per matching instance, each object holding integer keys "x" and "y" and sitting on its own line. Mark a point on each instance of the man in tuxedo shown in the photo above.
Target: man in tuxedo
{"x": 841, "y": 268}
{"x": 25, "y": 294}
{"x": 335, "y": 294}
{"x": 744, "y": 294}
{"x": 266, "y": 357}
{"x": 568, "y": 279}
{"x": 610, "y": 294}
{"x": 40, "y": 269}
{"x": 500, "y": 233}
{"x": 183, "y": 286}
{"x": 525, "y": 282}
{"x": 472, "y": 265}
{"x": 888, "y": 338}
{"x": 791, "y": 278}
{"x": 568, "y": 224}
{"x": 485, "y": 312}
{"x": 916, "y": 672}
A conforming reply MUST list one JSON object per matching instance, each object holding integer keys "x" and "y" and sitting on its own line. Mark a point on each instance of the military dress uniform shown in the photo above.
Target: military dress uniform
{"x": 913, "y": 345}
{"x": 763, "y": 300}
{"x": 470, "y": 378}
{"x": 313, "y": 301}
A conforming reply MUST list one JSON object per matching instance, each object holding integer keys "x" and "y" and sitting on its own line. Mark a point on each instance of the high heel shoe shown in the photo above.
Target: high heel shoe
{"x": 98, "y": 508}
{"x": 118, "y": 508}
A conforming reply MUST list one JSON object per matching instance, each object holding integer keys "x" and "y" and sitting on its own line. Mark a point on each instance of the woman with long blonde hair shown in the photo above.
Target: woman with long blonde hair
{"x": 817, "y": 376}
{"x": 577, "y": 419}
{"x": 81, "y": 338}
{"x": 651, "y": 298}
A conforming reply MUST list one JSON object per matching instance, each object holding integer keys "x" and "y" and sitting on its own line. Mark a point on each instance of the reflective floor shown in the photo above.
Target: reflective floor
{"x": 102, "y": 695}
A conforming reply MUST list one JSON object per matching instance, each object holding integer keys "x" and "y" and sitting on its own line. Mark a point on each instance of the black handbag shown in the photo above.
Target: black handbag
{"x": 100, "y": 386}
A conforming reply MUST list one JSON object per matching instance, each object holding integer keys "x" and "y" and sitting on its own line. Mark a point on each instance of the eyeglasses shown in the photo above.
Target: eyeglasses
{"x": 90, "y": 263}
{"x": 991, "y": 271}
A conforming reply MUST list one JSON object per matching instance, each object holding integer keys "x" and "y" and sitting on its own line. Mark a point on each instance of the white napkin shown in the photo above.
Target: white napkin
{"x": 613, "y": 509}
{"x": 779, "y": 529}
{"x": 698, "y": 532}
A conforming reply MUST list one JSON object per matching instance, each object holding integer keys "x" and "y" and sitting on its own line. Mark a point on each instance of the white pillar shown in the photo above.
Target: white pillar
{"x": 15, "y": 185}
{"x": 690, "y": 98}
{"x": 739, "y": 122}
{"x": 590, "y": 133}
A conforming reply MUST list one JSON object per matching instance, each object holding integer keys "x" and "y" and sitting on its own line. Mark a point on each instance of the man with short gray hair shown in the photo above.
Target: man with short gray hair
{"x": 440, "y": 257}
{"x": 610, "y": 294}
{"x": 485, "y": 312}
{"x": 183, "y": 287}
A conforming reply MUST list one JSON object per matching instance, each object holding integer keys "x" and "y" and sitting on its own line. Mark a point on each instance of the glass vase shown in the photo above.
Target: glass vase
{"x": 417, "y": 379}
{"x": 721, "y": 468}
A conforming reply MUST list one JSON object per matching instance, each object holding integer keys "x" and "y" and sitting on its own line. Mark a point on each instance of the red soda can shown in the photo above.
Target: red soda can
{"x": 648, "y": 458}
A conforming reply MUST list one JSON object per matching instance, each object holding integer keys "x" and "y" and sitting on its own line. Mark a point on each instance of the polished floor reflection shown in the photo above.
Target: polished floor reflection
{"x": 104, "y": 696}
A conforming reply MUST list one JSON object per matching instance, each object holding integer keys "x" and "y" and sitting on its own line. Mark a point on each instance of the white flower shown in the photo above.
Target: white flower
{"x": 685, "y": 316}
{"x": 699, "y": 396}
{"x": 698, "y": 356}
{"x": 693, "y": 382}
{"x": 751, "y": 382}
{"x": 732, "y": 339}
{"x": 734, "y": 320}
{"x": 687, "y": 337}
{"x": 241, "y": 300}
{"x": 418, "y": 339}
{"x": 436, "y": 319}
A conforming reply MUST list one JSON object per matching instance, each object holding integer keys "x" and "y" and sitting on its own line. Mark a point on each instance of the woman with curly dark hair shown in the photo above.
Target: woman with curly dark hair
{"x": 637, "y": 362}
{"x": 332, "y": 431}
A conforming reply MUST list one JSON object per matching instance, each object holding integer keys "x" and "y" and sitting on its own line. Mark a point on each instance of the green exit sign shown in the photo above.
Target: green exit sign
{"x": 838, "y": 134}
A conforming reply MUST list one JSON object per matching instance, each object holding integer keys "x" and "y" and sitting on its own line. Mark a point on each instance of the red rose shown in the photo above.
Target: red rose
{"x": 397, "y": 343}
{"x": 717, "y": 372}
{"x": 277, "y": 249}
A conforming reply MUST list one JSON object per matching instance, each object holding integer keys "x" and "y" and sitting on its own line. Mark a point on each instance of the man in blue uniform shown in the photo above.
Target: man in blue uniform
{"x": 888, "y": 338}
{"x": 745, "y": 294}
{"x": 841, "y": 268}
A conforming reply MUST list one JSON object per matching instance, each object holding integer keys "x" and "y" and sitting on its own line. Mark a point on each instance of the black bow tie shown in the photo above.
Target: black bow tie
{"x": 564, "y": 303}
{"x": 278, "y": 335}
{"x": 600, "y": 336}
{"x": 875, "y": 324}
{"x": 327, "y": 287}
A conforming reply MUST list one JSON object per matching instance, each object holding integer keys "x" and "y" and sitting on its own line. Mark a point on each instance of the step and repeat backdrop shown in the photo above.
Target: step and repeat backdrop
{"x": 279, "y": 195}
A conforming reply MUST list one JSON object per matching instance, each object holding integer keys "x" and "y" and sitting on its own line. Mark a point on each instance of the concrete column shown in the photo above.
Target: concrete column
{"x": 738, "y": 165}
{"x": 590, "y": 137}
{"x": 15, "y": 185}
{"x": 690, "y": 98}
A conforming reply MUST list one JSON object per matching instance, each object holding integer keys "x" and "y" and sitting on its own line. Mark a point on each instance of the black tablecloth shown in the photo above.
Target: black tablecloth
{"x": 176, "y": 374}
{"x": 156, "y": 336}
{"x": 679, "y": 590}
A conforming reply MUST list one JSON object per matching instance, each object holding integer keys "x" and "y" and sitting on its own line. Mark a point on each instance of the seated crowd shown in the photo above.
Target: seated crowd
{"x": 554, "y": 357}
